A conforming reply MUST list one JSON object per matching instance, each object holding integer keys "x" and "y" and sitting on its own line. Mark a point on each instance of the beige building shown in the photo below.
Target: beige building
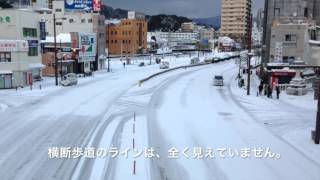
{"x": 187, "y": 27}
{"x": 289, "y": 40}
{"x": 78, "y": 21}
{"x": 20, "y": 58}
{"x": 235, "y": 15}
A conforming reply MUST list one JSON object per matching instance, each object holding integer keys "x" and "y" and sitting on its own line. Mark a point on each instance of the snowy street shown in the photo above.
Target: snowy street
{"x": 180, "y": 109}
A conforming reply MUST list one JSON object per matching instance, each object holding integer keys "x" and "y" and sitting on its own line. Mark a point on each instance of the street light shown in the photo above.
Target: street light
{"x": 55, "y": 47}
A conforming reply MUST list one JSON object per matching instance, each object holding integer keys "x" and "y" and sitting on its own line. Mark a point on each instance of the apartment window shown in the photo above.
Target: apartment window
{"x": 58, "y": 10}
{"x": 5, "y": 57}
{"x": 276, "y": 12}
{"x": 116, "y": 41}
{"x": 290, "y": 37}
{"x": 33, "y": 51}
{"x": 71, "y": 20}
{"x": 305, "y": 12}
{"x": 29, "y": 32}
{"x": 89, "y": 20}
{"x": 59, "y": 23}
{"x": 83, "y": 20}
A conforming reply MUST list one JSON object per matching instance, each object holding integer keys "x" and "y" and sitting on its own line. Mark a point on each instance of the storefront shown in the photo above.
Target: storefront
{"x": 5, "y": 79}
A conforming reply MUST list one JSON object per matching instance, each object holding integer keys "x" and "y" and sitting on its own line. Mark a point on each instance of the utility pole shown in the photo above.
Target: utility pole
{"x": 61, "y": 60}
{"x": 317, "y": 130}
{"x": 55, "y": 50}
{"x": 249, "y": 52}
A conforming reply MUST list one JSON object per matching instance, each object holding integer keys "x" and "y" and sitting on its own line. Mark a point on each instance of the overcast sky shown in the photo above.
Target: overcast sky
{"x": 188, "y": 8}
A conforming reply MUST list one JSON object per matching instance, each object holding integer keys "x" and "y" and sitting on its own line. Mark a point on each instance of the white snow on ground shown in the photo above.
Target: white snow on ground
{"x": 291, "y": 118}
{"x": 191, "y": 113}
{"x": 178, "y": 109}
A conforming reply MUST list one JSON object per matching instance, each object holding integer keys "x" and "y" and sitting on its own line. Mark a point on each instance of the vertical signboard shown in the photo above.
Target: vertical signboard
{"x": 96, "y": 5}
{"x": 87, "y": 46}
{"x": 42, "y": 25}
{"x": 278, "y": 52}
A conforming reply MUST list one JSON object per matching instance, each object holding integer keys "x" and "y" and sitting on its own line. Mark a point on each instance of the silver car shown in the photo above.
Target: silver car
{"x": 218, "y": 81}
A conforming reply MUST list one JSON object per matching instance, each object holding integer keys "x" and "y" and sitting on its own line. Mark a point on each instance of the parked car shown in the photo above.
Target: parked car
{"x": 208, "y": 60}
{"x": 195, "y": 60}
{"x": 164, "y": 65}
{"x": 218, "y": 80}
{"x": 215, "y": 60}
{"x": 69, "y": 79}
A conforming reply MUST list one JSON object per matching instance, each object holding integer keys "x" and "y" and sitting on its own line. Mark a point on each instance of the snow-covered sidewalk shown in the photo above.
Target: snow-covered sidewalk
{"x": 291, "y": 118}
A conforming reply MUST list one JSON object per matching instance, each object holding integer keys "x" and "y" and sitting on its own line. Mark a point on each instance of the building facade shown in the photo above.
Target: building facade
{"x": 177, "y": 41}
{"x": 277, "y": 9}
{"x": 78, "y": 21}
{"x": 129, "y": 36}
{"x": 20, "y": 60}
{"x": 235, "y": 15}
{"x": 187, "y": 27}
{"x": 289, "y": 40}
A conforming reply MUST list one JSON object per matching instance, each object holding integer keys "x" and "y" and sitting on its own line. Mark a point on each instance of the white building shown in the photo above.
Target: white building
{"x": 20, "y": 60}
{"x": 78, "y": 21}
{"x": 176, "y": 40}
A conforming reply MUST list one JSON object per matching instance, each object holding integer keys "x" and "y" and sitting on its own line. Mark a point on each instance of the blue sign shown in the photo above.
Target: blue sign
{"x": 78, "y": 4}
{"x": 42, "y": 30}
{"x": 33, "y": 43}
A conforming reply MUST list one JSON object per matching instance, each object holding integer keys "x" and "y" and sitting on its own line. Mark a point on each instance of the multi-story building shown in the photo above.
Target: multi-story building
{"x": 20, "y": 61}
{"x": 207, "y": 34}
{"x": 291, "y": 9}
{"x": 235, "y": 15}
{"x": 260, "y": 18}
{"x": 129, "y": 36}
{"x": 316, "y": 11}
{"x": 77, "y": 21}
{"x": 187, "y": 27}
{"x": 177, "y": 40}
{"x": 289, "y": 40}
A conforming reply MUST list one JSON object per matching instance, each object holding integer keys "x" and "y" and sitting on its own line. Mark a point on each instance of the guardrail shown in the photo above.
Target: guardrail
{"x": 184, "y": 67}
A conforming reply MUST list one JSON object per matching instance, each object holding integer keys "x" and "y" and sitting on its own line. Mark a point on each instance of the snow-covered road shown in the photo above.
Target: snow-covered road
{"x": 188, "y": 112}
{"x": 180, "y": 109}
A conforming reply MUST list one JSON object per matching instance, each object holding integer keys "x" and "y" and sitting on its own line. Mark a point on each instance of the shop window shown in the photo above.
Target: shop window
{"x": 5, "y": 57}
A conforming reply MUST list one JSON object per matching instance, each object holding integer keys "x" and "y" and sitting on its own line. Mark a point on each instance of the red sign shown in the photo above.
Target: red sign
{"x": 96, "y": 5}
{"x": 30, "y": 79}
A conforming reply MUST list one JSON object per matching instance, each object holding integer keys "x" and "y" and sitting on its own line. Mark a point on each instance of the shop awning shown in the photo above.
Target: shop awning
{"x": 5, "y": 72}
{"x": 36, "y": 66}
